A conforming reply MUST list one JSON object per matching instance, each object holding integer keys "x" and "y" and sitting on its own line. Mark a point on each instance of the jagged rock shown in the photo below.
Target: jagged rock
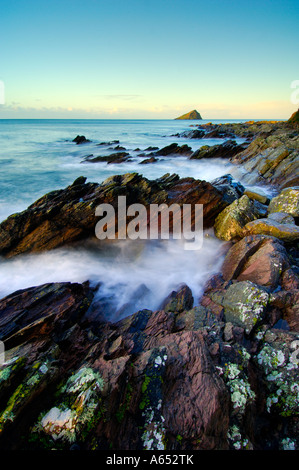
{"x": 230, "y": 188}
{"x": 287, "y": 201}
{"x": 272, "y": 159}
{"x": 173, "y": 149}
{"x": 226, "y": 150}
{"x": 148, "y": 160}
{"x": 118, "y": 157}
{"x": 68, "y": 215}
{"x": 179, "y": 300}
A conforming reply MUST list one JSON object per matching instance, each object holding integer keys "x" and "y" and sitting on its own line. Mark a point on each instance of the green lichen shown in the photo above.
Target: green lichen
{"x": 281, "y": 373}
{"x": 78, "y": 408}
{"x": 153, "y": 436}
{"x": 23, "y": 392}
{"x": 240, "y": 391}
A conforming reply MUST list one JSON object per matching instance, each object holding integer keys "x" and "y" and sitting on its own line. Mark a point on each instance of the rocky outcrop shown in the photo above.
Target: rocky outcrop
{"x": 80, "y": 139}
{"x": 272, "y": 159}
{"x": 226, "y": 150}
{"x": 214, "y": 373}
{"x": 294, "y": 119}
{"x": 191, "y": 115}
{"x": 68, "y": 215}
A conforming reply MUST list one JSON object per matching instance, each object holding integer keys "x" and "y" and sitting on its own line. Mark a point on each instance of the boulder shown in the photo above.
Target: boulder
{"x": 80, "y": 139}
{"x": 245, "y": 304}
{"x": 282, "y": 231}
{"x": 230, "y": 222}
{"x": 287, "y": 201}
{"x": 259, "y": 258}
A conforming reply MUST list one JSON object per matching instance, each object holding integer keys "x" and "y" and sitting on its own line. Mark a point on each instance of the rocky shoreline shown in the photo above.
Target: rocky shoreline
{"x": 215, "y": 373}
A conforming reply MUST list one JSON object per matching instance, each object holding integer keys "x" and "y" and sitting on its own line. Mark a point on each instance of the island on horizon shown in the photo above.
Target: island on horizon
{"x": 191, "y": 115}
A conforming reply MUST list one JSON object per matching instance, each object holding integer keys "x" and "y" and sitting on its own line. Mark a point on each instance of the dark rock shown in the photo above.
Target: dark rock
{"x": 179, "y": 300}
{"x": 118, "y": 157}
{"x": 226, "y": 150}
{"x": 148, "y": 160}
{"x": 174, "y": 149}
{"x": 68, "y": 215}
{"x": 80, "y": 139}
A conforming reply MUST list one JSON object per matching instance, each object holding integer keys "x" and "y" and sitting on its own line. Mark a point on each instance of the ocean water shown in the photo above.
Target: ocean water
{"x": 38, "y": 156}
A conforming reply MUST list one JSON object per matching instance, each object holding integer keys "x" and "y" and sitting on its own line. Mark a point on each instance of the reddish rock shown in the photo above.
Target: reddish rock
{"x": 259, "y": 259}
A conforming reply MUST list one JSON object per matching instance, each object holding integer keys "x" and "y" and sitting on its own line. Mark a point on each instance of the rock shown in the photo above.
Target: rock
{"x": 245, "y": 304}
{"x": 226, "y": 150}
{"x": 259, "y": 259}
{"x": 230, "y": 188}
{"x": 118, "y": 157}
{"x": 64, "y": 216}
{"x": 178, "y": 301}
{"x": 230, "y": 222}
{"x": 80, "y": 139}
{"x": 278, "y": 362}
{"x": 285, "y": 232}
{"x": 282, "y": 218}
{"x": 288, "y": 303}
{"x": 287, "y": 201}
{"x": 38, "y": 311}
{"x": 263, "y": 199}
{"x": 173, "y": 149}
{"x": 191, "y": 115}
{"x": 148, "y": 160}
{"x": 272, "y": 159}
{"x": 294, "y": 119}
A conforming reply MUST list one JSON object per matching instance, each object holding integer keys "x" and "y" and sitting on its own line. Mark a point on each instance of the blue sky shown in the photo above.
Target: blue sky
{"x": 148, "y": 59}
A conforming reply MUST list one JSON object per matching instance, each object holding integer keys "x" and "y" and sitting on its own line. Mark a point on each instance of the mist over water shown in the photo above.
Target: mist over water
{"x": 135, "y": 274}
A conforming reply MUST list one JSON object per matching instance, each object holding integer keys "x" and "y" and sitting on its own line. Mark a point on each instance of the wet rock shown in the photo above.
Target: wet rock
{"x": 226, "y": 150}
{"x": 148, "y": 160}
{"x": 263, "y": 199}
{"x": 80, "y": 139}
{"x": 68, "y": 215}
{"x": 179, "y": 300}
{"x": 174, "y": 149}
{"x": 230, "y": 188}
{"x": 118, "y": 157}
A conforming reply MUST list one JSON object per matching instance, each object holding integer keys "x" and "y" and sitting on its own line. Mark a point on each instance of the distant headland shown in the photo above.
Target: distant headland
{"x": 191, "y": 115}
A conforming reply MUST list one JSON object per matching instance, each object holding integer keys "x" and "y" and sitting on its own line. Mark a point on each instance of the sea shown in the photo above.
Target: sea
{"x": 38, "y": 156}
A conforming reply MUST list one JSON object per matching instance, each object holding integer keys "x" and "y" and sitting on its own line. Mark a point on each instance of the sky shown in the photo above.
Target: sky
{"x": 148, "y": 59}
